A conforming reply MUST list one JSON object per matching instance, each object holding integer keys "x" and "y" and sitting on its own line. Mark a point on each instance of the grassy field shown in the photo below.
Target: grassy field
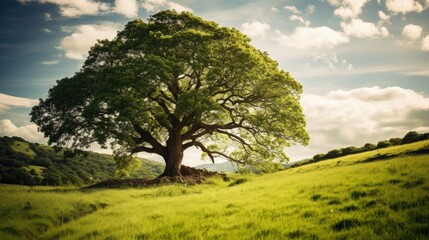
{"x": 363, "y": 196}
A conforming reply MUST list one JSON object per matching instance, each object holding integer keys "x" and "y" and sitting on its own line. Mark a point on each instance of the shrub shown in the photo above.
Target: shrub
{"x": 334, "y": 153}
{"x": 369, "y": 147}
{"x": 383, "y": 144}
{"x": 350, "y": 150}
{"x": 318, "y": 157}
{"x": 411, "y": 137}
{"x": 395, "y": 141}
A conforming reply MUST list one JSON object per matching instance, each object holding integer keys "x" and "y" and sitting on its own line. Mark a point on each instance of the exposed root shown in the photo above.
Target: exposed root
{"x": 189, "y": 176}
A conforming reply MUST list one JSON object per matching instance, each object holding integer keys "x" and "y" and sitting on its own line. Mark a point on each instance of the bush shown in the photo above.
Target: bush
{"x": 334, "y": 153}
{"x": 411, "y": 137}
{"x": 383, "y": 144}
{"x": 369, "y": 147}
{"x": 318, "y": 157}
{"x": 52, "y": 179}
{"x": 395, "y": 141}
{"x": 350, "y": 150}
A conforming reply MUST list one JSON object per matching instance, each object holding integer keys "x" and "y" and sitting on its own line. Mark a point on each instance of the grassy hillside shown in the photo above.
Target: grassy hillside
{"x": 410, "y": 137}
{"x": 361, "y": 196}
{"x": 26, "y": 163}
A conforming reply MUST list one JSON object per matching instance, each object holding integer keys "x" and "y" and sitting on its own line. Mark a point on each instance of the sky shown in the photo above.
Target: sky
{"x": 364, "y": 64}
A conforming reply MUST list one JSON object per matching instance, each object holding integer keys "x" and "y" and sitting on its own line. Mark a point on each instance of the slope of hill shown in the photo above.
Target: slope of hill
{"x": 410, "y": 137}
{"x": 22, "y": 162}
{"x": 382, "y": 194}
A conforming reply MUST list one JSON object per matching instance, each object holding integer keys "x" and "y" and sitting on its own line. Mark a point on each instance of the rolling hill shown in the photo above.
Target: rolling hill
{"x": 26, "y": 163}
{"x": 379, "y": 194}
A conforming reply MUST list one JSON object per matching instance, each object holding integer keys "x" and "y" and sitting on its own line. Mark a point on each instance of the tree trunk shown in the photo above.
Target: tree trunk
{"x": 173, "y": 160}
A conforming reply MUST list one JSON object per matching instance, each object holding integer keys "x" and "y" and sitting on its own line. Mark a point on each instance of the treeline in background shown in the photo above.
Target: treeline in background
{"x": 410, "y": 137}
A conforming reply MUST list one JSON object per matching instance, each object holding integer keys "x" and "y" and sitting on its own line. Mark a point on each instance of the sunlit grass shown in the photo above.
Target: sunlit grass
{"x": 23, "y": 148}
{"x": 346, "y": 198}
{"x": 37, "y": 169}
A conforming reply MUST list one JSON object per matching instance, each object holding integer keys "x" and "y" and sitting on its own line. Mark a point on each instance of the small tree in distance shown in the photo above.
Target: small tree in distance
{"x": 175, "y": 82}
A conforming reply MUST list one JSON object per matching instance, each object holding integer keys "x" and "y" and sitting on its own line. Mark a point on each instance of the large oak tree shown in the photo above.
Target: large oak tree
{"x": 172, "y": 83}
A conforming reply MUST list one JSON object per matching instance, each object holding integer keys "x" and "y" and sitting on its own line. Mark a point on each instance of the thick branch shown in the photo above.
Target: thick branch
{"x": 235, "y": 138}
{"x": 213, "y": 154}
{"x": 145, "y": 136}
{"x": 172, "y": 119}
{"x": 164, "y": 95}
{"x": 144, "y": 149}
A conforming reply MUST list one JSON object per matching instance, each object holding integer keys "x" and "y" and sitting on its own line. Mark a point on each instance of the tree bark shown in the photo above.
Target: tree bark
{"x": 174, "y": 157}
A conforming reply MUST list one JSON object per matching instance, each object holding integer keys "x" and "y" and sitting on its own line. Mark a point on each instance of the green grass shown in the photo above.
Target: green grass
{"x": 38, "y": 169}
{"x": 343, "y": 198}
{"x": 24, "y": 148}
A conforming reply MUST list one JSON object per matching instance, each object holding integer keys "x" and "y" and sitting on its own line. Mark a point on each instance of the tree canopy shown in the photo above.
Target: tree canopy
{"x": 172, "y": 83}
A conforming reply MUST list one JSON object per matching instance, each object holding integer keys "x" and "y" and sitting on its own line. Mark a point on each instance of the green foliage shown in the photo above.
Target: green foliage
{"x": 58, "y": 166}
{"x": 177, "y": 81}
{"x": 413, "y": 136}
{"x": 383, "y": 144}
{"x": 353, "y": 199}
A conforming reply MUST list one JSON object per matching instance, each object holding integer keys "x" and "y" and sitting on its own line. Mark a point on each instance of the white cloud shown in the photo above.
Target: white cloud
{"x": 403, "y": 6}
{"x": 361, "y": 29}
{"x": 412, "y": 32}
{"x": 128, "y": 8}
{"x": 274, "y": 9}
{"x": 310, "y": 9}
{"x": 46, "y": 30}
{"x": 48, "y": 17}
{"x": 425, "y": 44}
{"x": 52, "y": 62}
{"x": 348, "y": 65}
{"x": 333, "y": 62}
{"x": 28, "y": 132}
{"x": 354, "y": 117}
{"x": 157, "y": 5}
{"x": 300, "y": 19}
{"x": 292, "y": 9}
{"x": 383, "y": 17}
{"x": 74, "y": 8}
{"x": 77, "y": 45}
{"x": 7, "y": 101}
{"x": 348, "y": 8}
{"x": 255, "y": 29}
{"x": 307, "y": 37}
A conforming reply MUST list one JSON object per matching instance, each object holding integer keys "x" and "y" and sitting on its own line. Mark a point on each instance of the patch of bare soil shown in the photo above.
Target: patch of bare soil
{"x": 189, "y": 176}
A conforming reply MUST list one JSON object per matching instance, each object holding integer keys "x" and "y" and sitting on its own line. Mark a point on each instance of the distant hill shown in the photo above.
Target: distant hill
{"x": 219, "y": 167}
{"x": 22, "y": 162}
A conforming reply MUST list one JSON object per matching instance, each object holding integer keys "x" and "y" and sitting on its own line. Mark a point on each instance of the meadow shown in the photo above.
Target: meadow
{"x": 382, "y": 194}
